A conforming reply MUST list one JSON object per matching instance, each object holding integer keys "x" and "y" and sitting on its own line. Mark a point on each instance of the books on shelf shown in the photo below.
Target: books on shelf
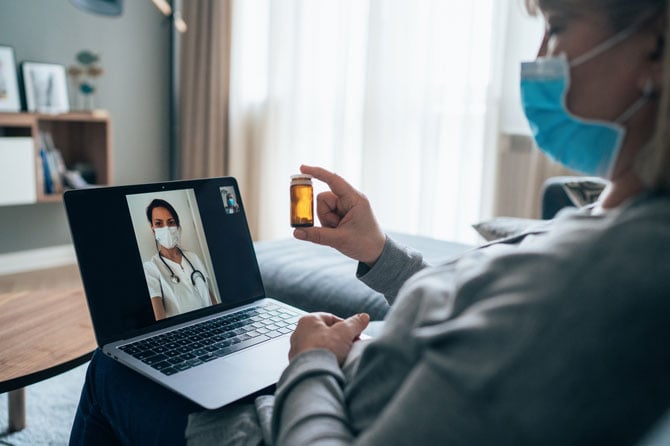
{"x": 57, "y": 177}
{"x": 53, "y": 167}
{"x": 37, "y": 146}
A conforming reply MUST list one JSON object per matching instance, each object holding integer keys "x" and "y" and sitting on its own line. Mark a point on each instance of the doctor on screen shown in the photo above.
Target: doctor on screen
{"x": 176, "y": 278}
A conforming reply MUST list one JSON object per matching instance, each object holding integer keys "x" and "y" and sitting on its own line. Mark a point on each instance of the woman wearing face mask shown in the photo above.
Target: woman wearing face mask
{"x": 231, "y": 206}
{"x": 554, "y": 337}
{"x": 176, "y": 278}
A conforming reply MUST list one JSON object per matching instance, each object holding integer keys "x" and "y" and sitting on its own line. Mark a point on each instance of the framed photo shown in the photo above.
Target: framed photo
{"x": 45, "y": 86}
{"x": 10, "y": 101}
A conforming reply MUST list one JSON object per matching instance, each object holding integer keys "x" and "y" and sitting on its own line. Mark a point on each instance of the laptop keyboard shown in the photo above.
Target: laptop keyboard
{"x": 187, "y": 347}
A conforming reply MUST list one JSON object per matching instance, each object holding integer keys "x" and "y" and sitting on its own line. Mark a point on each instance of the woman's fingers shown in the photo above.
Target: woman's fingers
{"x": 336, "y": 183}
{"x": 321, "y": 236}
{"x": 326, "y": 209}
{"x": 347, "y": 221}
{"x": 327, "y": 331}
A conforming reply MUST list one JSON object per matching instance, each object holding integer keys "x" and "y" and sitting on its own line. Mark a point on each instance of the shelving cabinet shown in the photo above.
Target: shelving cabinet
{"x": 82, "y": 138}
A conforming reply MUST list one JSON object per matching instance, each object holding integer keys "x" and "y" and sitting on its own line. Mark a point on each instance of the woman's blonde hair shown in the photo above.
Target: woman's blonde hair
{"x": 653, "y": 162}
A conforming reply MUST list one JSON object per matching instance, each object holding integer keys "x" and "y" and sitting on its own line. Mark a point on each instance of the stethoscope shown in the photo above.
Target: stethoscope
{"x": 174, "y": 278}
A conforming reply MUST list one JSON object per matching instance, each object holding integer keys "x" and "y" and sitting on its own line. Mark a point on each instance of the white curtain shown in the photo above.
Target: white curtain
{"x": 397, "y": 96}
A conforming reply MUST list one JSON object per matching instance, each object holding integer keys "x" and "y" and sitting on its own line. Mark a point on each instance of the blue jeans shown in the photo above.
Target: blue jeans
{"x": 120, "y": 406}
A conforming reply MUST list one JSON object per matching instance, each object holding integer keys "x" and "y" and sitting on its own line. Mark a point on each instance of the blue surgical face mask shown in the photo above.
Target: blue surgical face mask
{"x": 585, "y": 145}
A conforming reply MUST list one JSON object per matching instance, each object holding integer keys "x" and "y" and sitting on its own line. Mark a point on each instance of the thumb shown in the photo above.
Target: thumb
{"x": 355, "y": 325}
{"x": 318, "y": 235}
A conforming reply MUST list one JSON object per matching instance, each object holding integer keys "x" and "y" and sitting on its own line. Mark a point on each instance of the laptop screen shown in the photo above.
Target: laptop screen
{"x": 156, "y": 254}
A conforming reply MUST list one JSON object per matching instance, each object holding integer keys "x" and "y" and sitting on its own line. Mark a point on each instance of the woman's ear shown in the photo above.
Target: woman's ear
{"x": 658, "y": 48}
{"x": 657, "y": 54}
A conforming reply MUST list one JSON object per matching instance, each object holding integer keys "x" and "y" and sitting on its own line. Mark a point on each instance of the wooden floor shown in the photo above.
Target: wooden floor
{"x": 59, "y": 278}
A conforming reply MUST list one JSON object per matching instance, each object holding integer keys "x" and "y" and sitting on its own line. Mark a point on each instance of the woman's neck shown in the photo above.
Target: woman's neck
{"x": 173, "y": 254}
{"x": 620, "y": 190}
{"x": 625, "y": 183}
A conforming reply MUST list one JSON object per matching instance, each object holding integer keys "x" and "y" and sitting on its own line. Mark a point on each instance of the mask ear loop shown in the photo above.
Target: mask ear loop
{"x": 614, "y": 40}
{"x": 605, "y": 46}
{"x": 647, "y": 92}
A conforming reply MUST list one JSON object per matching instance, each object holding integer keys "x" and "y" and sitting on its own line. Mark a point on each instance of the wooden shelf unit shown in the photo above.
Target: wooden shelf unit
{"x": 81, "y": 137}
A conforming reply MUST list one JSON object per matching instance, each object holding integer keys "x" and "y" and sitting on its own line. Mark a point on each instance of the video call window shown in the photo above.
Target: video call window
{"x": 175, "y": 257}
{"x": 229, "y": 198}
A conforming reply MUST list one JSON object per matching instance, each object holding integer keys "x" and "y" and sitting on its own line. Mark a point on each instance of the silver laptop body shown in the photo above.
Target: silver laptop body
{"x": 221, "y": 338}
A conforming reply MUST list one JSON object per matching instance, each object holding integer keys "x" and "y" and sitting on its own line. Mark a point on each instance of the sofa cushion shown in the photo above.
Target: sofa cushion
{"x": 569, "y": 191}
{"x": 319, "y": 278}
{"x": 503, "y": 227}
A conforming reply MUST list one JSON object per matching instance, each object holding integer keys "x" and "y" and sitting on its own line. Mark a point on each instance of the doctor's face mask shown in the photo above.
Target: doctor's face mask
{"x": 585, "y": 145}
{"x": 168, "y": 236}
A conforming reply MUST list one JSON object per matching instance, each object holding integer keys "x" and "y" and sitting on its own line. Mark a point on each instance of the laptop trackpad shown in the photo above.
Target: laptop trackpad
{"x": 236, "y": 376}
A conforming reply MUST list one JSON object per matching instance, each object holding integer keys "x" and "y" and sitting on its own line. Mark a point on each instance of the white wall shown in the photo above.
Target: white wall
{"x": 515, "y": 145}
{"x": 522, "y": 40}
{"x": 135, "y": 55}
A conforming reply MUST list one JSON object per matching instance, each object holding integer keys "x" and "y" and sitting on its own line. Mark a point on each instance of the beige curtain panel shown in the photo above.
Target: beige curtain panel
{"x": 205, "y": 80}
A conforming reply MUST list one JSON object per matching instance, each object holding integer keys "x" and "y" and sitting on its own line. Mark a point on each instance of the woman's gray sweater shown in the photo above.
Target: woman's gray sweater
{"x": 554, "y": 338}
{"x": 559, "y": 337}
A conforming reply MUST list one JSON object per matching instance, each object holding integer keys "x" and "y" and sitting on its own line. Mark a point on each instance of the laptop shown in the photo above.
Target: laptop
{"x": 174, "y": 290}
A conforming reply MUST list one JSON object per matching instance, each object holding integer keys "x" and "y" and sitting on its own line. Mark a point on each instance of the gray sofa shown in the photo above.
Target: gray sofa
{"x": 318, "y": 278}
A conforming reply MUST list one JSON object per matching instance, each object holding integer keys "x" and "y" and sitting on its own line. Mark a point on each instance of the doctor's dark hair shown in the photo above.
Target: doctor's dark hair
{"x": 652, "y": 164}
{"x": 158, "y": 203}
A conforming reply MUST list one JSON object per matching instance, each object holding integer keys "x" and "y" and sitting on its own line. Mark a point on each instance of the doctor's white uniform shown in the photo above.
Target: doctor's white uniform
{"x": 178, "y": 297}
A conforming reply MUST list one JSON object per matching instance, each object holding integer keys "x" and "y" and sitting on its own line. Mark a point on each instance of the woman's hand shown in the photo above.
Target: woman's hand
{"x": 347, "y": 221}
{"x": 324, "y": 330}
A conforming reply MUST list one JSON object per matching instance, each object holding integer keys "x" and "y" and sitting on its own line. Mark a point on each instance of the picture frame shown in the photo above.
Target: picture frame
{"x": 10, "y": 99}
{"x": 45, "y": 87}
